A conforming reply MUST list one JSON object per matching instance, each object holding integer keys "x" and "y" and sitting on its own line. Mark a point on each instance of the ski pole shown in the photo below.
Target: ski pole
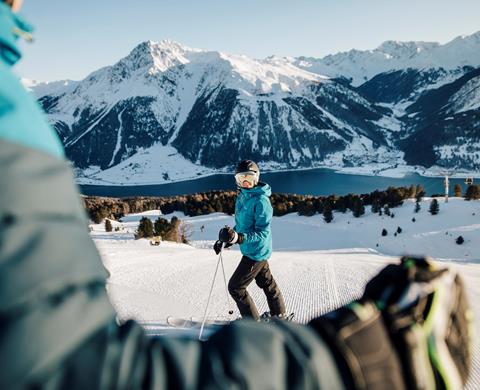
{"x": 210, "y": 295}
{"x": 230, "y": 311}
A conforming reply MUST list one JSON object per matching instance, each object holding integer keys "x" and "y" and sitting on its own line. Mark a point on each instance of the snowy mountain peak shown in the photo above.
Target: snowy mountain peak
{"x": 472, "y": 38}
{"x": 397, "y": 49}
{"x": 361, "y": 65}
{"x": 237, "y": 71}
{"x": 150, "y": 54}
{"x": 158, "y": 56}
{"x": 40, "y": 88}
{"x": 171, "y": 46}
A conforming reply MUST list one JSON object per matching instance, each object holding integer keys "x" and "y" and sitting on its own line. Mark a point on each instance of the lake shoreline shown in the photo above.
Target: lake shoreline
{"x": 317, "y": 181}
{"x": 397, "y": 172}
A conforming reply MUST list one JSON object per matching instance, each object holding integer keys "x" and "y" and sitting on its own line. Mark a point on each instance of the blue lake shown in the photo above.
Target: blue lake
{"x": 313, "y": 181}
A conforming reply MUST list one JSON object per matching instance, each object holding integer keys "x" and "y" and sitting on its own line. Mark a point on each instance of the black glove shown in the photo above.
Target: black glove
{"x": 230, "y": 236}
{"x": 217, "y": 247}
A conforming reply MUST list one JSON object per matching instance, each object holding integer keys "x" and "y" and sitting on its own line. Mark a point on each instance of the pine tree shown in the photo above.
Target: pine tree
{"x": 358, "y": 208}
{"x": 341, "y": 205}
{"x": 145, "y": 228}
{"x": 99, "y": 215}
{"x": 434, "y": 207}
{"x": 412, "y": 191}
{"x": 108, "y": 225}
{"x": 306, "y": 208}
{"x": 394, "y": 197}
{"x": 384, "y": 232}
{"x": 420, "y": 193}
{"x": 174, "y": 233}
{"x": 386, "y": 210}
{"x": 280, "y": 209}
{"x": 161, "y": 226}
{"x": 457, "y": 190}
{"x": 327, "y": 212}
{"x": 218, "y": 207}
{"x": 375, "y": 205}
{"x": 174, "y": 230}
{"x": 399, "y": 230}
{"x": 417, "y": 207}
{"x": 473, "y": 192}
{"x": 459, "y": 240}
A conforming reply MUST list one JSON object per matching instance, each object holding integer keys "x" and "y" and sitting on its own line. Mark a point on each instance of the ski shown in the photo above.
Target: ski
{"x": 196, "y": 322}
{"x": 193, "y": 322}
{"x": 267, "y": 317}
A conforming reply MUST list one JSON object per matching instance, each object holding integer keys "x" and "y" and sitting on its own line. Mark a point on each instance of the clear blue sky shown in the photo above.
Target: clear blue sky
{"x": 75, "y": 37}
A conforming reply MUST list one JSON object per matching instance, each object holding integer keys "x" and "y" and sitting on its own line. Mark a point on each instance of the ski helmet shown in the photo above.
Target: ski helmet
{"x": 246, "y": 166}
{"x": 247, "y": 170}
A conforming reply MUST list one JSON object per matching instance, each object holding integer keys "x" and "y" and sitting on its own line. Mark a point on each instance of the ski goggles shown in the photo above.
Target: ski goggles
{"x": 250, "y": 177}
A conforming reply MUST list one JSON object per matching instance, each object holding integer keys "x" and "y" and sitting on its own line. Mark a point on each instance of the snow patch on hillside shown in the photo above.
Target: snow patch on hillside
{"x": 40, "y": 88}
{"x": 157, "y": 164}
{"x": 449, "y": 154}
{"x": 467, "y": 98}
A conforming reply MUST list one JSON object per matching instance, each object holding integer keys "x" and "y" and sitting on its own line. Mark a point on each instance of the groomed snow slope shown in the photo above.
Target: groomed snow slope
{"x": 319, "y": 266}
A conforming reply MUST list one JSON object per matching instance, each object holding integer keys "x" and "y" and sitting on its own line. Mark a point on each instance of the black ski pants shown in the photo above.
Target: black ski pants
{"x": 246, "y": 271}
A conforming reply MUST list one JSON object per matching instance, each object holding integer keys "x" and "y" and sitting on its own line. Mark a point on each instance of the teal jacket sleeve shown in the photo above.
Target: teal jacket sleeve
{"x": 21, "y": 118}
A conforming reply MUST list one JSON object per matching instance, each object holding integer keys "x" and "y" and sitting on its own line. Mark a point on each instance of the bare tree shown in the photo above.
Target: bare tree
{"x": 185, "y": 231}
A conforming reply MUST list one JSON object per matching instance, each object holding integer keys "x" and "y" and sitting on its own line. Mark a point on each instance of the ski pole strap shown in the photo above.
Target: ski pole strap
{"x": 362, "y": 348}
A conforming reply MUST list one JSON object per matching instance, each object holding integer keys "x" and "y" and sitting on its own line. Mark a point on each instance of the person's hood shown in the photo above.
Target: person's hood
{"x": 12, "y": 27}
{"x": 259, "y": 189}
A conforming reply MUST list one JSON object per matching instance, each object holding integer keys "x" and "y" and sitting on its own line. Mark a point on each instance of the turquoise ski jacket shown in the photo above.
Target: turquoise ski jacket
{"x": 253, "y": 214}
{"x": 21, "y": 118}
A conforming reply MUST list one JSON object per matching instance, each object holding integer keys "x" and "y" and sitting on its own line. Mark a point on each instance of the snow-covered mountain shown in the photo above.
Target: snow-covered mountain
{"x": 444, "y": 125}
{"x": 214, "y": 109}
{"x": 361, "y": 66}
{"x": 49, "y": 88}
{"x": 205, "y": 110}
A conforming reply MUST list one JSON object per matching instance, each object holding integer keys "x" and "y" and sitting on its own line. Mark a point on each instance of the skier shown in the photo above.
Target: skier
{"x": 253, "y": 215}
{"x": 411, "y": 328}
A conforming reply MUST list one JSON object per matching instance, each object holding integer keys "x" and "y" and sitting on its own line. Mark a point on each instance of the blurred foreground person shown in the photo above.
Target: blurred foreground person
{"x": 411, "y": 329}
